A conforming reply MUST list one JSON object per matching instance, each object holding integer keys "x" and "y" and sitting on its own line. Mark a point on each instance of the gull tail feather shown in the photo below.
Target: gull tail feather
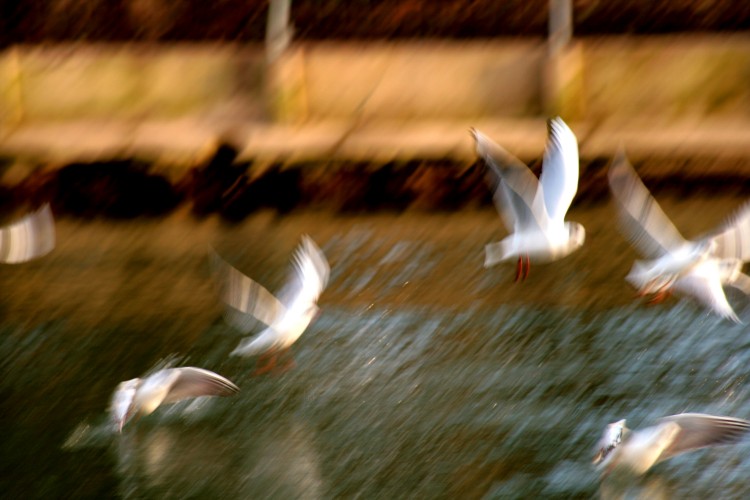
{"x": 263, "y": 342}
{"x": 732, "y": 316}
{"x": 495, "y": 252}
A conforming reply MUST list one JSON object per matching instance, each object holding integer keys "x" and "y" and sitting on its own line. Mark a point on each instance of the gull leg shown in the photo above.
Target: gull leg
{"x": 519, "y": 269}
{"x": 265, "y": 363}
{"x": 288, "y": 365}
{"x": 528, "y": 266}
{"x": 660, "y": 296}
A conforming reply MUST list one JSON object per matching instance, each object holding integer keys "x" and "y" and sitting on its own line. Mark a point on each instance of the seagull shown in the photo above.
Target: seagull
{"x": 698, "y": 268}
{"x": 28, "y": 238}
{"x": 285, "y": 317}
{"x": 534, "y": 210}
{"x": 141, "y": 396}
{"x": 639, "y": 450}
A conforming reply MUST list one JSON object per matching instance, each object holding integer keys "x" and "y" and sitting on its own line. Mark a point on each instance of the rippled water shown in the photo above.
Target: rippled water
{"x": 424, "y": 376}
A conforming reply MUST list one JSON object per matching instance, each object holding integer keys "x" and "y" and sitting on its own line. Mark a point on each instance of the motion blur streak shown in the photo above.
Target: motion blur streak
{"x": 424, "y": 375}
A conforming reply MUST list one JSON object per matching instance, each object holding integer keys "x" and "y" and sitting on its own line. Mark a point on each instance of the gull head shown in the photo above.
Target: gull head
{"x": 609, "y": 441}
{"x": 123, "y": 402}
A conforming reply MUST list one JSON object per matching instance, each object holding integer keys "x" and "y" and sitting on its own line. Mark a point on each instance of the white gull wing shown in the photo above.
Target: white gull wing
{"x": 515, "y": 187}
{"x": 640, "y": 449}
{"x": 28, "y": 238}
{"x": 269, "y": 340}
{"x": 515, "y": 213}
{"x": 646, "y": 225}
{"x": 645, "y": 447}
{"x": 310, "y": 277}
{"x": 733, "y": 242}
{"x": 697, "y": 430}
{"x": 168, "y": 385}
{"x": 245, "y": 299}
{"x": 560, "y": 170}
{"x": 191, "y": 382}
{"x": 703, "y": 282}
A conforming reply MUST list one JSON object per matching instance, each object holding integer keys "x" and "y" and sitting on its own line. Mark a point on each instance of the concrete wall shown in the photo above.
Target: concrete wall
{"x": 72, "y": 82}
{"x": 666, "y": 79}
{"x": 408, "y": 81}
{"x": 653, "y": 79}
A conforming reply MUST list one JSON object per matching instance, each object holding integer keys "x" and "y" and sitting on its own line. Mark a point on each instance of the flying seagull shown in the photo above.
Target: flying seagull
{"x": 534, "y": 210}
{"x": 697, "y": 268}
{"x": 639, "y": 450}
{"x": 286, "y": 316}
{"x": 28, "y": 238}
{"x": 141, "y": 396}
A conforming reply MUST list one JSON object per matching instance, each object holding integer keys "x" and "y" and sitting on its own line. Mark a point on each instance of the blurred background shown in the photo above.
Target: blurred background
{"x": 159, "y": 128}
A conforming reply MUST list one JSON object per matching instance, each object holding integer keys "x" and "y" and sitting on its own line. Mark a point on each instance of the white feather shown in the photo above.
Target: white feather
{"x": 698, "y": 268}
{"x": 639, "y": 450}
{"x": 141, "y": 396}
{"x": 28, "y": 238}
{"x": 286, "y": 316}
{"x": 534, "y": 210}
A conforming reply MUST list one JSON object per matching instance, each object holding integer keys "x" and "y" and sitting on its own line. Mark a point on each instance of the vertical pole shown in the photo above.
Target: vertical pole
{"x": 560, "y": 25}
{"x": 278, "y": 31}
{"x": 17, "y": 86}
{"x": 563, "y": 80}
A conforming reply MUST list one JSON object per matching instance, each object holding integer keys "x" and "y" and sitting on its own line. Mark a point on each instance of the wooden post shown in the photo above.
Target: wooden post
{"x": 563, "y": 79}
{"x": 17, "y": 87}
{"x": 560, "y": 25}
{"x": 285, "y": 69}
{"x": 278, "y": 31}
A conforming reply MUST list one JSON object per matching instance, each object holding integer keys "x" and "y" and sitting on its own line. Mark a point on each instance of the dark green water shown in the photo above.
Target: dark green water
{"x": 425, "y": 376}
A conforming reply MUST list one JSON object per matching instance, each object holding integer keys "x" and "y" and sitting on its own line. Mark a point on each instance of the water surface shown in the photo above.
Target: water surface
{"x": 425, "y": 375}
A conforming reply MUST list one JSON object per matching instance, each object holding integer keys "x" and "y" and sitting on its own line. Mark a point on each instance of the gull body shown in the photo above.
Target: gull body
{"x": 534, "y": 210}
{"x": 141, "y": 396}
{"x": 287, "y": 316}
{"x": 696, "y": 268}
{"x": 651, "y": 276}
{"x": 639, "y": 450}
{"x": 28, "y": 238}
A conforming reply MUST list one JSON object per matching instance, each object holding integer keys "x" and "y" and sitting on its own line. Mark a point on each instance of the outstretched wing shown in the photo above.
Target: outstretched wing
{"x": 310, "y": 272}
{"x": 559, "y": 179}
{"x": 733, "y": 242}
{"x": 28, "y": 238}
{"x": 514, "y": 187}
{"x": 245, "y": 299}
{"x": 703, "y": 283}
{"x": 191, "y": 382}
{"x": 309, "y": 278}
{"x": 699, "y": 430}
{"x": 646, "y": 225}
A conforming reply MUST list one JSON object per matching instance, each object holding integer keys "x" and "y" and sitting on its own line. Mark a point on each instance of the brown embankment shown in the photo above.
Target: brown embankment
{"x": 221, "y": 186}
{"x": 127, "y": 130}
